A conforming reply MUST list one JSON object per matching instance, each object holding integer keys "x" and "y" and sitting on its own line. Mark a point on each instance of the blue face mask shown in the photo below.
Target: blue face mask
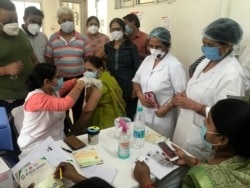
{"x": 211, "y": 53}
{"x": 90, "y": 74}
{"x": 128, "y": 30}
{"x": 59, "y": 84}
{"x": 203, "y": 133}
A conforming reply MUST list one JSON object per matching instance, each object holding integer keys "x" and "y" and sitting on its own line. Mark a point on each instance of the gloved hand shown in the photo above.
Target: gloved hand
{"x": 91, "y": 82}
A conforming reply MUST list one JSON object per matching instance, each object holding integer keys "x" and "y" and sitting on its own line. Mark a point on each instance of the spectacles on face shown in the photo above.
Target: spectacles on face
{"x": 157, "y": 47}
{"x": 115, "y": 29}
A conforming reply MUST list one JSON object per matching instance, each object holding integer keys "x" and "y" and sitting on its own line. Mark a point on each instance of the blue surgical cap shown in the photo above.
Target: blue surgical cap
{"x": 161, "y": 33}
{"x": 224, "y": 30}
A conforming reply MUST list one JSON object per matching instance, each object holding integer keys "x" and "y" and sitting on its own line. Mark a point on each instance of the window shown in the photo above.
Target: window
{"x": 20, "y": 7}
{"x": 130, "y": 3}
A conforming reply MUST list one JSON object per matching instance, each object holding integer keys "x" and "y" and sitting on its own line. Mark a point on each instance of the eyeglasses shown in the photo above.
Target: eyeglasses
{"x": 115, "y": 29}
{"x": 155, "y": 47}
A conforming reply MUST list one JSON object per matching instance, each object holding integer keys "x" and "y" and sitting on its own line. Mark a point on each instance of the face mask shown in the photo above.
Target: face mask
{"x": 33, "y": 28}
{"x": 211, "y": 53}
{"x": 90, "y": 74}
{"x": 93, "y": 29}
{"x": 203, "y": 132}
{"x": 128, "y": 29}
{"x": 156, "y": 54}
{"x": 59, "y": 84}
{"x": 67, "y": 27}
{"x": 11, "y": 29}
{"x": 116, "y": 35}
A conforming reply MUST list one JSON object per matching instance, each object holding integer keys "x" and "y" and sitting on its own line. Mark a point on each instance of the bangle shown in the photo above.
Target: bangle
{"x": 199, "y": 110}
{"x": 136, "y": 90}
{"x": 150, "y": 185}
{"x": 80, "y": 89}
{"x": 196, "y": 161}
{"x": 4, "y": 70}
{"x": 171, "y": 106}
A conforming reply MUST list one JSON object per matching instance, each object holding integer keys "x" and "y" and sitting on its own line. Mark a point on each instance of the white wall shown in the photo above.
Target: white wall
{"x": 187, "y": 19}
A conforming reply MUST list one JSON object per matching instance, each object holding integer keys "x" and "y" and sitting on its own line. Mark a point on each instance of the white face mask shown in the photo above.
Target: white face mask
{"x": 116, "y": 35}
{"x": 93, "y": 29}
{"x": 34, "y": 28}
{"x": 67, "y": 27}
{"x": 11, "y": 29}
{"x": 156, "y": 53}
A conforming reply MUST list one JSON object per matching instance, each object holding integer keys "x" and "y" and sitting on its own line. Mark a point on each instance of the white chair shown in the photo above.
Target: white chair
{"x": 18, "y": 116}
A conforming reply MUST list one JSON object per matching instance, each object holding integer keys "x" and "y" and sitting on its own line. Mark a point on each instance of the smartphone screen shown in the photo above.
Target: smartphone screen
{"x": 168, "y": 151}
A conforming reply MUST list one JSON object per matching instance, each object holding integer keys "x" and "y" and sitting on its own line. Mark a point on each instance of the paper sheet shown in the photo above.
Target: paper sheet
{"x": 157, "y": 163}
{"x": 40, "y": 173}
{"x": 100, "y": 171}
{"x": 48, "y": 149}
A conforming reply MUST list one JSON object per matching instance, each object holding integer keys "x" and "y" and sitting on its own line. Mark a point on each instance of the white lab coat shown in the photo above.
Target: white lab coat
{"x": 165, "y": 80}
{"x": 226, "y": 78}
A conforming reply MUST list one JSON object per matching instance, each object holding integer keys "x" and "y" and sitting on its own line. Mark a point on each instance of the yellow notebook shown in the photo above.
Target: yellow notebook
{"x": 87, "y": 157}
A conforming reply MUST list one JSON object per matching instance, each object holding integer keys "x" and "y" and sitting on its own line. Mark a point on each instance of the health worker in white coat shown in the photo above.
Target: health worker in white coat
{"x": 216, "y": 77}
{"x": 164, "y": 76}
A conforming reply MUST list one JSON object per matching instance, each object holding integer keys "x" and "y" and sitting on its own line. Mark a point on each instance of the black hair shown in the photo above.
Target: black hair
{"x": 231, "y": 118}
{"x": 40, "y": 72}
{"x": 94, "y": 182}
{"x": 119, "y": 21}
{"x": 34, "y": 11}
{"x": 122, "y": 24}
{"x": 96, "y": 61}
{"x": 7, "y": 5}
{"x": 133, "y": 17}
{"x": 93, "y": 18}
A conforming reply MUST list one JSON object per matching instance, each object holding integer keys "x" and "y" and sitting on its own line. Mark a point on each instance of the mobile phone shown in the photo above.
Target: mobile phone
{"x": 168, "y": 151}
{"x": 73, "y": 142}
{"x": 151, "y": 96}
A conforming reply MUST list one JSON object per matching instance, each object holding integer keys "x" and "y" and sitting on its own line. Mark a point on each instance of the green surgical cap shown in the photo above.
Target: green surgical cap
{"x": 224, "y": 30}
{"x": 161, "y": 33}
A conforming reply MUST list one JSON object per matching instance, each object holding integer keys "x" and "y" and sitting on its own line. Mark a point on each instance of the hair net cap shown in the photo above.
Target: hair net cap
{"x": 224, "y": 30}
{"x": 161, "y": 33}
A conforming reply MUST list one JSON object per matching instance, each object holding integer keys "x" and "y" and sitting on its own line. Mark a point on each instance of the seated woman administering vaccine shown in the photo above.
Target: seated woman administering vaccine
{"x": 44, "y": 110}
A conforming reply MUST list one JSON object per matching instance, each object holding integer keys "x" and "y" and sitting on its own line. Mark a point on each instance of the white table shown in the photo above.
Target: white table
{"x": 107, "y": 149}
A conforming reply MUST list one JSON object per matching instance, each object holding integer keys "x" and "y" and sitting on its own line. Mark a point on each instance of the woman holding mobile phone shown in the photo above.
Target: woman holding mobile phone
{"x": 156, "y": 82}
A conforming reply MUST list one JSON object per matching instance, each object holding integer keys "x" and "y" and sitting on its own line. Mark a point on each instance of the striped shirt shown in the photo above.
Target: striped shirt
{"x": 68, "y": 56}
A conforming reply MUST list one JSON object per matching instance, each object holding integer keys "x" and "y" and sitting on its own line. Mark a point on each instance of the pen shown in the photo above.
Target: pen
{"x": 60, "y": 173}
{"x": 67, "y": 150}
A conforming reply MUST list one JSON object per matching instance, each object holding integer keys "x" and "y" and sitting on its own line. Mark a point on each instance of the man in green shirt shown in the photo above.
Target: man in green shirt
{"x": 16, "y": 58}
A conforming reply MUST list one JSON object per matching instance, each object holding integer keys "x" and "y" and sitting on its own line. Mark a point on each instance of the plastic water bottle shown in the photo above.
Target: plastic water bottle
{"x": 139, "y": 129}
{"x": 124, "y": 141}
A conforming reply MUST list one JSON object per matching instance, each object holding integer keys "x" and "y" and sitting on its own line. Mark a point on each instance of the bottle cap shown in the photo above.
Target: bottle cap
{"x": 93, "y": 130}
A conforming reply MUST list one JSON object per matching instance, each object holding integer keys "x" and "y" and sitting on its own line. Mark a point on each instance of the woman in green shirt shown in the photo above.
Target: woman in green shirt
{"x": 101, "y": 106}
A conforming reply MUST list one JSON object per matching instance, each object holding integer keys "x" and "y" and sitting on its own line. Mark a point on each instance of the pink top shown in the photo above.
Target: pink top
{"x": 96, "y": 42}
{"x": 43, "y": 101}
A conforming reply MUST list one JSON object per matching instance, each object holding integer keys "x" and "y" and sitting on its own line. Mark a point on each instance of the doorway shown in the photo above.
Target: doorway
{"x": 80, "y": 11}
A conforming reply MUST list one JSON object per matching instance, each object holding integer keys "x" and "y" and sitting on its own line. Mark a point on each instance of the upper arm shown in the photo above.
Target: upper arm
{"x": 41, "y": 101}
{"x": 34, "y": 58}
{"x": 178, "y": 78}
{"x": 93, "y": 100}
{"x": 136, "y": 58}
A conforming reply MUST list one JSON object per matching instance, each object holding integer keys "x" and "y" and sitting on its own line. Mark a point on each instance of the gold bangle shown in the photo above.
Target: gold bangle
{"x": 4, "y": 70}
{"x": 171, "y": 106}
{"x": 79, "y": 88}
{"x": 199, "y": 110}
{"x": 137, "y": 90}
